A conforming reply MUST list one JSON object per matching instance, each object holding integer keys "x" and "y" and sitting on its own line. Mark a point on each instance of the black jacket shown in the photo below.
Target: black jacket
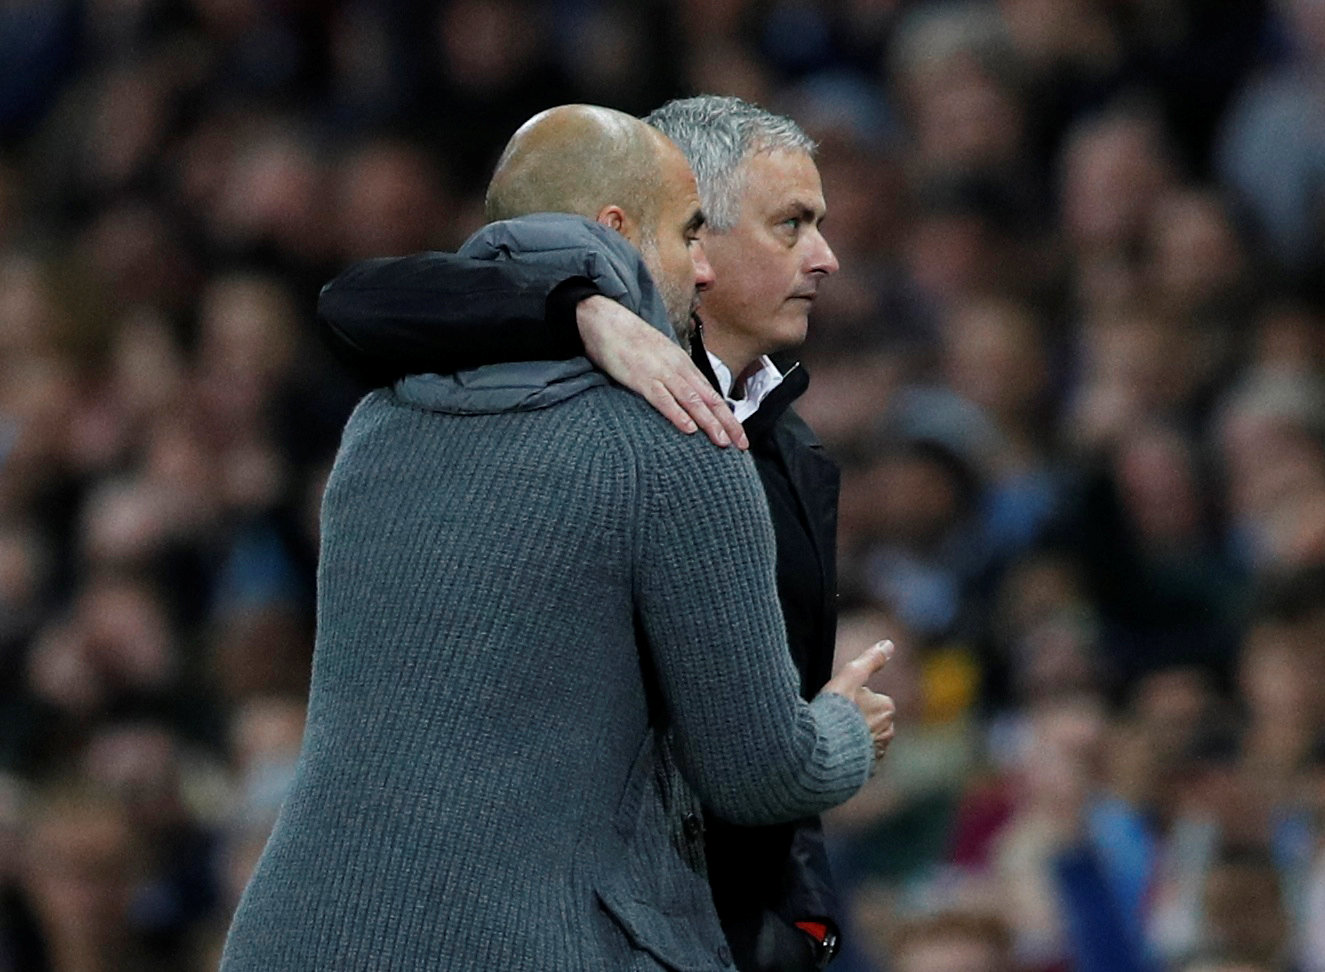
{"x": 391, "y": 317}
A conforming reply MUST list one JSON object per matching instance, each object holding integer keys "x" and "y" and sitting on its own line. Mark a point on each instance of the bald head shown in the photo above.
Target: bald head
{"x": 621, "y": 173}
{"x": 579, "y": 159}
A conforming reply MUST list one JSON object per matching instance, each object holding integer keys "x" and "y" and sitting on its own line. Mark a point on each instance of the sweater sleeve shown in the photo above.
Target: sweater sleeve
{"x": 441, "y": 312}
{"x": 754, "y": 751}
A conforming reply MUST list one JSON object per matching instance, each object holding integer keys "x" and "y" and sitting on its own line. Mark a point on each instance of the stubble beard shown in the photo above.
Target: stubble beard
{"x": 679, "y": 297}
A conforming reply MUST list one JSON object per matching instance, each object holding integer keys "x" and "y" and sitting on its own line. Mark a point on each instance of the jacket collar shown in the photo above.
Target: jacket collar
{"x": 795, "y": 380}
{"x": 556, "y": 240}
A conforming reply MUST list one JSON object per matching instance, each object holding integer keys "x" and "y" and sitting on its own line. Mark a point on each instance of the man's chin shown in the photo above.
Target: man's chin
{"x": 791, "y": 329}
{"x": 684, "y": 327}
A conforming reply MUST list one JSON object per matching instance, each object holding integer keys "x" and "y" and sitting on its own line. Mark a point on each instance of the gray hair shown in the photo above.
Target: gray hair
{"x": 717, "y": 134}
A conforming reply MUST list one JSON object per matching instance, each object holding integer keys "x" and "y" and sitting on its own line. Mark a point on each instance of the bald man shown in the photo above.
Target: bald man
{"x": 547, "y": 636}
{"x": 761, "y": 192}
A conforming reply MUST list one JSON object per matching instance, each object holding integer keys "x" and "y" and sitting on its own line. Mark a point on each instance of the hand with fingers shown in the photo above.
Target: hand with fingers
{"x": 877, "y": 708}
{"x": 644, "y": 360}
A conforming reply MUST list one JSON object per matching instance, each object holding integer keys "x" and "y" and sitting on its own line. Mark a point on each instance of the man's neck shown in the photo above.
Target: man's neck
{"x": 756, "y": 383}
{"x": 741, "y": 362}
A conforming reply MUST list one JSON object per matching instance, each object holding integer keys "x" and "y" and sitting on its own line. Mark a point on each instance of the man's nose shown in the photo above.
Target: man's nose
{"x": 822, "y": 259}
{"x": 703, "y": 272}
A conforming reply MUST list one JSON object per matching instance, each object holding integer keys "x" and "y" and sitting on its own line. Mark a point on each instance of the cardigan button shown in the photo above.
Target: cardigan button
{"x": 724, "y": 955}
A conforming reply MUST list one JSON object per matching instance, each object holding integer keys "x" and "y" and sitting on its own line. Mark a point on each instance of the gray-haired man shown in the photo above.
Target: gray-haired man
{"x": 764, "y": 204}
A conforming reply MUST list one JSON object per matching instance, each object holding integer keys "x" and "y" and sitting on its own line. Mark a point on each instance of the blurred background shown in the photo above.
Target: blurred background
{"x": 1073, "y": 367}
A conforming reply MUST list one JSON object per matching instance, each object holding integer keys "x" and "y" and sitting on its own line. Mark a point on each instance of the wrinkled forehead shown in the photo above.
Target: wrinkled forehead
{"x": 780, "y": 177}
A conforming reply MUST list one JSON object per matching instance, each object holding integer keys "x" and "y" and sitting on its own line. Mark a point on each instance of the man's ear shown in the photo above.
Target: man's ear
{"x": 614, "y": 217}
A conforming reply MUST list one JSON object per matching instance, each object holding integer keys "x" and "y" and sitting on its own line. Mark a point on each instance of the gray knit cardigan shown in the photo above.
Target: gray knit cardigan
{"x": 547, "y": 631}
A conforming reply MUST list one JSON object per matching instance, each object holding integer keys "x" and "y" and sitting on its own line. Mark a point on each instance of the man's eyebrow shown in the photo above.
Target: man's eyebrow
{"x": 806, "y": 211}
{"x": 696, "y": 222}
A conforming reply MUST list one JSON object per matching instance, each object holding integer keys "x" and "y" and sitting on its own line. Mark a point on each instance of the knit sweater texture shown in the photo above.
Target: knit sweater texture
{"x": 547, "y": 633}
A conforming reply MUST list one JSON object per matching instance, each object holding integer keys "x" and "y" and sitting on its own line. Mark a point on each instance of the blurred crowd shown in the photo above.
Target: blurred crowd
{"x": 1073, "y": 368}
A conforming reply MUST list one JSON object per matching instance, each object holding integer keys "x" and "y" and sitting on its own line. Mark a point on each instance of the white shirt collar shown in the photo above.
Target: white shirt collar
{"x": 757, "y": 386}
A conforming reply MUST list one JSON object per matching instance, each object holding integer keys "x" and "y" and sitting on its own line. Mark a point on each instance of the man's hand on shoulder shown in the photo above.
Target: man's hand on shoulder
{"x": 643, "y": 359}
